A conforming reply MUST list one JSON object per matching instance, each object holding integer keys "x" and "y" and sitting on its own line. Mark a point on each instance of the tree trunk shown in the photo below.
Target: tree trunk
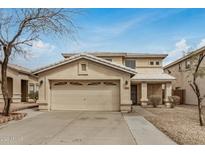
{"x": 201, "y": 120}
{"x": 4, "y": 87}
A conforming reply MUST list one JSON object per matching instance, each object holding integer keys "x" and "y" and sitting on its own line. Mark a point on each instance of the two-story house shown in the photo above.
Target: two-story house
{"x": 181, "y": 70}
{"x": 101, "y": 81}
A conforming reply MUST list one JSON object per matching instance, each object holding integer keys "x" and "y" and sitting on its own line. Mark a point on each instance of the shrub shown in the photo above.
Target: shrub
{"x": 155, "y": 100}
{"x": 174, "y": 100}
{"x": 33, "y": 95}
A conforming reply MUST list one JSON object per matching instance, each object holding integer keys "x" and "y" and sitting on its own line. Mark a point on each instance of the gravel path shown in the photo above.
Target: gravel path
{"x": 181, "y": 123}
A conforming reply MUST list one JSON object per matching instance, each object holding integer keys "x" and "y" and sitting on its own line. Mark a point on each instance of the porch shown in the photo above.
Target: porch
{"x": 145, "y": 85}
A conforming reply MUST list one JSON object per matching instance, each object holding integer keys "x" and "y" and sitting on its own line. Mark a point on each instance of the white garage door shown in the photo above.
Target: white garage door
{"x": 85, "y": 95}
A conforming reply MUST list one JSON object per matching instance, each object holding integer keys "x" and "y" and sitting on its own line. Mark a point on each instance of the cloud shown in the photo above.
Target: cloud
{"x": 38, "y": 49}
{"x": 201, "y": 43}
{"x": 182, "y": 45}
{"x": 181, "y": 48}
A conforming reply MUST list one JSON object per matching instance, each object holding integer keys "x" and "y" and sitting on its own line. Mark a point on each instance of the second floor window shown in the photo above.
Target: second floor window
{"x": 157, "y": 63}
{"x": 130, "y": 63}
{"x": 187, "y": 64}
{"x": 180, "y": 68}
{"x": 151, "y": 62}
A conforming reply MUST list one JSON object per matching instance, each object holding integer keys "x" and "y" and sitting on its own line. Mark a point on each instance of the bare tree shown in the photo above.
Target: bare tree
{"x": 20, "y": 27}
{"x": 198, "y": 71}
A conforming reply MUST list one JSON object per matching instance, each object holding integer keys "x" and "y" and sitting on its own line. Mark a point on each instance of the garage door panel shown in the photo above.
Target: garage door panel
{"x": 99, "y": 97}
{"x": 62, "y": 99}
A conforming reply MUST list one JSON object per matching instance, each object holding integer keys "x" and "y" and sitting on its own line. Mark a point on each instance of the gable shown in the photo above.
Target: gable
{"x": 88, "y": 57}
{"x": 72, "y": 71}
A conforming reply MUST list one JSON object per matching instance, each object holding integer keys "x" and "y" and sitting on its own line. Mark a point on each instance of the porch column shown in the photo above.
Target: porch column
{"x": 168, "y": 92}
{"x": 144, "y": 99}
{"x": 16, "y": 90}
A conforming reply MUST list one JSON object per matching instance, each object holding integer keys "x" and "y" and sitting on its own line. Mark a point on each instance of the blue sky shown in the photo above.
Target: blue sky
{"x": 171, "y": 31}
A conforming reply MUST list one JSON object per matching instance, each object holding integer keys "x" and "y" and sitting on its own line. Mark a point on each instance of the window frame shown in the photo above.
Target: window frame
{"x": 82, "y": 71}
{"x": 83, "y": 67}
{"x": 187, "y": 64}
{"x": 151, "y": 63}
{"x": 131, "y": 60}
{"x": 33, "y": 89}
{"x": 157, "y": 62}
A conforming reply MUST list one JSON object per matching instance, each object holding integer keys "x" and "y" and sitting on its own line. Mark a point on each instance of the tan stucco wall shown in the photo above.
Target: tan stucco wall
{"x": 17, "y": 77}
{"x": 182, "y": 78}
{"x": 142, "y": 64}
{"x": 95, "y": 72}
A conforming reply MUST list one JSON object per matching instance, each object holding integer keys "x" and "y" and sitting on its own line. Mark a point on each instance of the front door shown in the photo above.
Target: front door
{"x": 134, "y": 94}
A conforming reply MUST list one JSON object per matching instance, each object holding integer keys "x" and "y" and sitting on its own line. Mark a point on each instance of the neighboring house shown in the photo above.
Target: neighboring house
{"x": 102, "y": 81}
{"x": 20, "y": 83}
{"x": 180, "y": 69}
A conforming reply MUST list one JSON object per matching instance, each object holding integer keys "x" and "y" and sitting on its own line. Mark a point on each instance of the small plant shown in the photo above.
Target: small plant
{"x": 155, "y": 100}
{"x": 174, "y": 100}
{"x": 34, "y": 96}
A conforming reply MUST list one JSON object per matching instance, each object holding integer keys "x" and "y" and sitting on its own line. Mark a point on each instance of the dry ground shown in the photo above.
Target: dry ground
{"x": 180, "y": 123}
{"x": 15, "y": 107}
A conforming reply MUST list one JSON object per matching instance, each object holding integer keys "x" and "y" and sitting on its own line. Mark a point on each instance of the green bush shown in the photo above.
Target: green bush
{"x": 33, "y": 95}
{"x": 155, "y": 100}
{"x": 174, "y": 100}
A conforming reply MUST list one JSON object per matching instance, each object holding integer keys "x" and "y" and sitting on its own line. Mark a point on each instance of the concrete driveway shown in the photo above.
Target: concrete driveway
{"x": 68, "y": 127}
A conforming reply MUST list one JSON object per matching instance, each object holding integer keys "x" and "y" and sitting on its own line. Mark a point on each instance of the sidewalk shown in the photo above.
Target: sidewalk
{"x": 144, "y": 132}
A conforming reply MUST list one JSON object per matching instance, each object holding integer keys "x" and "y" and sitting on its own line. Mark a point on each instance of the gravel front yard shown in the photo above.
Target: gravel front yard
{"x": 180, "y": 123}
{"x": 15, "y": 107}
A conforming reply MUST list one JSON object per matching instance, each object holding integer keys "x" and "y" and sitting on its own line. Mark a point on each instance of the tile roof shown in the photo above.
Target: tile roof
{"x": 89, "y": 57}
{"x": 18, "y": 68}
{"x": 123, "y": 54}
{"x": 152, "y": 76}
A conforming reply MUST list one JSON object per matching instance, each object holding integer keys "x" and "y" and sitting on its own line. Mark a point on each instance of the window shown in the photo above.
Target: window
{"x": 187, "y": 64}
{"x": 76, "y": 83}
{"x": 157, "y": 62}
{"x": 83, "y": 67}
{"x": 37, "y": 87}
{"x": 110, "y": 83}
{"x": 31, "y": 87}
{"x": 60, "y": 83}
{"x": 180, "y": 69}
{"x": 130, "y": 63}
{"x": 151, "y": 63}
{"x": 94, "y": 83}
{"x": 108, "y": 59}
